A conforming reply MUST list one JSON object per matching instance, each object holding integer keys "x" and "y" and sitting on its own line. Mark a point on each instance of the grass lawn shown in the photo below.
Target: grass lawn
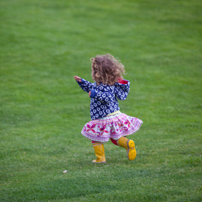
{"x": 44, "y": 43}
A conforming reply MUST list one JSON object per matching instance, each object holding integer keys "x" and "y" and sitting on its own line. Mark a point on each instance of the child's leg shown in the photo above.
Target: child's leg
{"x": 129, "y": 145}
{"x": 114, "y": 141}
{"x": 99, "y": 152}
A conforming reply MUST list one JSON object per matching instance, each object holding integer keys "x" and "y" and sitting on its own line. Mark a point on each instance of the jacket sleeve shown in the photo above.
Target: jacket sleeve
{"x": 122, "y": 89}
{"x": 85, "y": 85}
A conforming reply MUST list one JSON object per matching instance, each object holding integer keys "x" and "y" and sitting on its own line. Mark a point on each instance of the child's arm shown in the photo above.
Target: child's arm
{"x": 85, "y": 85}
{"x": 122, "y": 89}
{"x": 77, "y": 78}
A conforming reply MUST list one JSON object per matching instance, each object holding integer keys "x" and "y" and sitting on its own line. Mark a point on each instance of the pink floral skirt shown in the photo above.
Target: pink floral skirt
{"x": 114, "y": 127}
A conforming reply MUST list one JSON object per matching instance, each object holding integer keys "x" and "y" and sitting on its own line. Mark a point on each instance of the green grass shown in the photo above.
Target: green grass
{"x": 43, "y": 44}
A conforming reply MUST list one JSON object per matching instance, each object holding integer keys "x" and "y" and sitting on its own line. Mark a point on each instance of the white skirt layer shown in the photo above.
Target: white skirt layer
{"x": 115, "y": 126}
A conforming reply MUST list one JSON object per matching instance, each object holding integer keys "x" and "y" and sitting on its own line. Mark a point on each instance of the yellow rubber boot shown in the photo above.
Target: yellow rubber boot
{"x": 99, "y": 152}
{"x": 129, "y": 145}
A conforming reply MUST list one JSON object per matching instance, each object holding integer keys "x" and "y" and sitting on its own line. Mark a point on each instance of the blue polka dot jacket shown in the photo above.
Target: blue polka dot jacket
{"x": 104, "y": 98}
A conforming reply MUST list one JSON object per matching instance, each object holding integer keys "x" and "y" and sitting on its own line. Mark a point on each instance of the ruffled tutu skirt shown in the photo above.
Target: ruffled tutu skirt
{"x": 115, "y": 126}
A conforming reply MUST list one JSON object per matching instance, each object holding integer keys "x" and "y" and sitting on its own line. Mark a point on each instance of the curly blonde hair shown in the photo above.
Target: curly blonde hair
{"x": 106, "y": 69}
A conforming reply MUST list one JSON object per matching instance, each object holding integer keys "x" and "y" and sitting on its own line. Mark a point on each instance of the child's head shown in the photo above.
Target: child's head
{"x": 106, "y": 69}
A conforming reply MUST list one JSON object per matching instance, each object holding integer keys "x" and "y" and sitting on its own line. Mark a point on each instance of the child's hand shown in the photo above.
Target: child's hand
{"x": 120, "y": 79}
{"x": 89, "y": 93}
{"x": 77, "y": 78}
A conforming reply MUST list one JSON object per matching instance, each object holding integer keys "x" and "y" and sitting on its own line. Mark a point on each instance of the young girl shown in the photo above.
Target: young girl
{"x": 107, "y": 121}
